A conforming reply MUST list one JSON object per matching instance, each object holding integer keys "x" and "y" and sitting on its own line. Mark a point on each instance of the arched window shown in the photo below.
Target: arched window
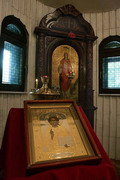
{"x": 13, "y": 54}
{"x": 109, "y": 65}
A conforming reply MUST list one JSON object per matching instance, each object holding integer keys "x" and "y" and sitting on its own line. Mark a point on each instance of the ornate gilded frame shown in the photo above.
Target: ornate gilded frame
{"x": 57, "y": 135}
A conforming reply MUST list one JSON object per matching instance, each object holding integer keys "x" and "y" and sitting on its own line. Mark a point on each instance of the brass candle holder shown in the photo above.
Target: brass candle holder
{"x": 44, "y": 92}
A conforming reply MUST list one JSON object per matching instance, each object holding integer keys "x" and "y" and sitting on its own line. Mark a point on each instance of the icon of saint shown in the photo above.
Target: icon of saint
{"x": 65, "y": 72}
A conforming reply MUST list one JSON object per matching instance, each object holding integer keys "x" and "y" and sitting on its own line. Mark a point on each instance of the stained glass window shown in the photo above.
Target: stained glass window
{"x": 13, "y": 43}
{"x": 13, "y": 28}
{"x": 112, "y": 44}
{"x": 12, "y": 63}
{"x": 109, "y": 65}
{"x": 111, "y": 72}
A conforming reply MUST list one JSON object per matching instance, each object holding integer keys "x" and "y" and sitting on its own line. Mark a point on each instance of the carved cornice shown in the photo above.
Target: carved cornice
{"x": 65, "y": 20}
{"x": 69, "y": 10}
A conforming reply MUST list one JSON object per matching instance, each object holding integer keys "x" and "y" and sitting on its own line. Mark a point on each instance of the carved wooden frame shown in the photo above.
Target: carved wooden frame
{"x": 69, "y": 143}
{"x": 66, "y": 25}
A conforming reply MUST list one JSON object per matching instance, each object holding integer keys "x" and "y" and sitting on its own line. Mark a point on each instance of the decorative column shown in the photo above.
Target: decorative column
{"x": 40, "y": 57}
{"x": 89, "y": 108}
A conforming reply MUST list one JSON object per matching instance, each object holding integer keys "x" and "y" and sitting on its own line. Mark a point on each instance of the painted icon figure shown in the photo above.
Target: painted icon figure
{"x": 65, "y": 69}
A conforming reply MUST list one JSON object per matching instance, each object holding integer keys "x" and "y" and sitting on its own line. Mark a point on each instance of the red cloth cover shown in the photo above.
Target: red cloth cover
{"x": 13, "y": 156}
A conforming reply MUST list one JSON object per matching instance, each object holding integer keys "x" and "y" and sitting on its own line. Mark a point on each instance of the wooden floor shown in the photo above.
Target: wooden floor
{"x": 117, "y": 166}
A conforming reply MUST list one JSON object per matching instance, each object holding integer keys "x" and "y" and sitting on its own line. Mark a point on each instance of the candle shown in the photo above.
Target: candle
{"x": 36, "y": 83}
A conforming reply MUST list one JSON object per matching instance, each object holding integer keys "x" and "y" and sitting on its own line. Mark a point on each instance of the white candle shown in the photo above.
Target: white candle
{"x": 36, "y": 83}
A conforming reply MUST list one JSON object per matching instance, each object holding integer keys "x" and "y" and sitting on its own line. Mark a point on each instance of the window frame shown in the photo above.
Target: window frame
{"x": 18, "y": 40}
{"x": 103, "y": 53}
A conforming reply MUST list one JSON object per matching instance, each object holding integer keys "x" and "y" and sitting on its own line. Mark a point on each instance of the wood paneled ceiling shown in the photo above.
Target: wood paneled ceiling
{"x": 85, "y": 6}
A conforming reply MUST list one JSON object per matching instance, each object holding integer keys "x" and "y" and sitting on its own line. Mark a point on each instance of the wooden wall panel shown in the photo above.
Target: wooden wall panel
{"x": 106, "y": 123}
{"x": 112, "y": 143}
{"x": 118, "y": 129}
{"x": 99, "y": 99}
{"x": 117, "y": 18}
{"x": 107, "y": 115}
{"x": 30, "y": 13}
{"x": 3, "y": 113}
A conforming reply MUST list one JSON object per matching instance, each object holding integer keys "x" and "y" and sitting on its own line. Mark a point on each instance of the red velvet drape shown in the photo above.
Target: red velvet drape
{"x": 13, "y": 156}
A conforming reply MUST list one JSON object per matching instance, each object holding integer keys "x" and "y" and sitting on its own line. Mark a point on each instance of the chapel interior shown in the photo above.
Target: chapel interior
{"x": 80, "y": 29}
